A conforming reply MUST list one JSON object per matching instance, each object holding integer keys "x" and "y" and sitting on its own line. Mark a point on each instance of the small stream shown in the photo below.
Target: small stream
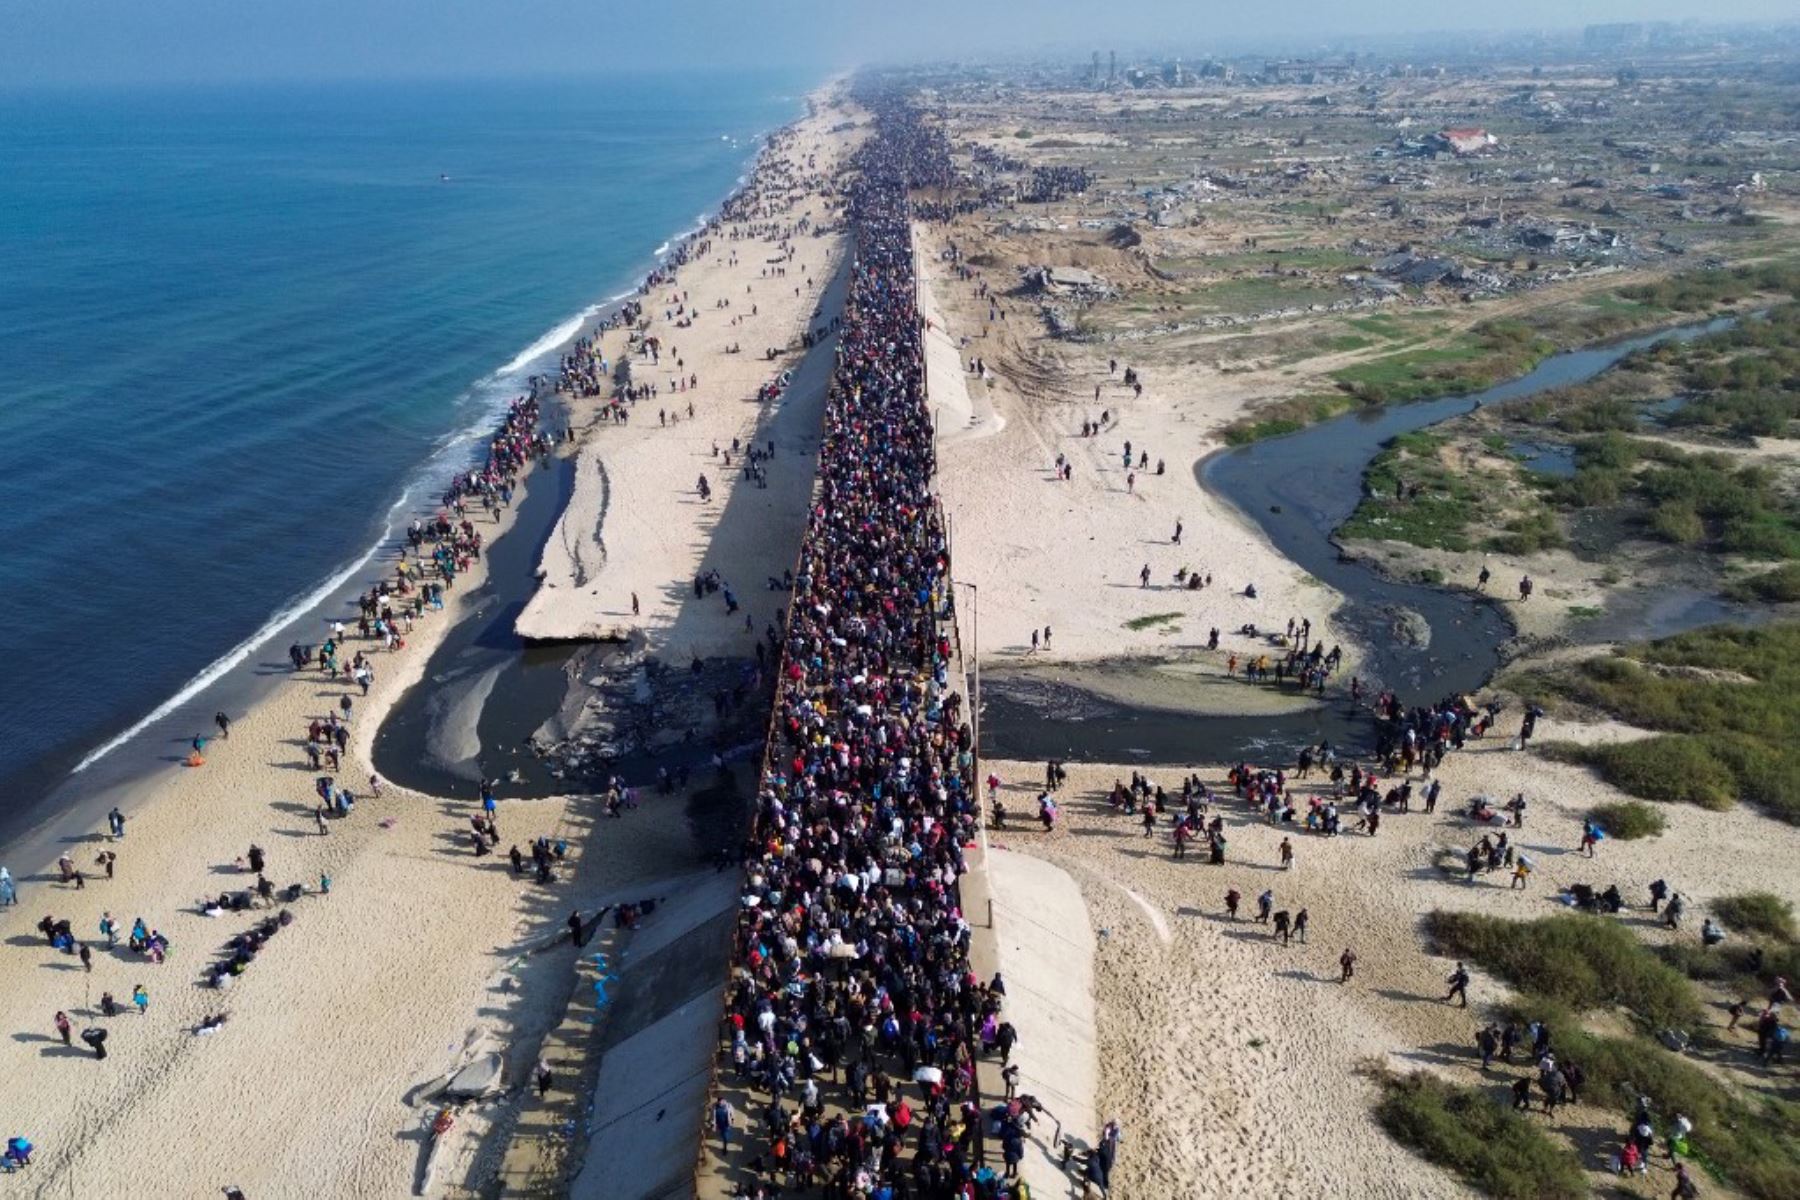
{"x": 484, "y": 691}
{"x": 1299, "y": 489}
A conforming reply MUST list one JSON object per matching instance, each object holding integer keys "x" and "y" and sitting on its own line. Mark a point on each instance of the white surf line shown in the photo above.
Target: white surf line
{"x": 237, "y": 654}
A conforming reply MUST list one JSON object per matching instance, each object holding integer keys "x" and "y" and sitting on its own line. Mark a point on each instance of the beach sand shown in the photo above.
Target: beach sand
{"x": 422, "y": 955}
{"x": 1068, "y": 555}
{"x": 1235, "y": 1063}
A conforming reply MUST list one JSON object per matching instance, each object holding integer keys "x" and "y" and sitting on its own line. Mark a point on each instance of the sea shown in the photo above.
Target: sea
{"x": 247, "y": 332}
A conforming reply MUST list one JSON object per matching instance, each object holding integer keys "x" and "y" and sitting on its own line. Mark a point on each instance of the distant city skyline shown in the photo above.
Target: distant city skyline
{"x": 97, "y": 41}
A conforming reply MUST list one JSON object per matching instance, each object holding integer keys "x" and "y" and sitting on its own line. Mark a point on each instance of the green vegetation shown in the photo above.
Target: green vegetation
{"x": 1725, "y": 737}
{"x": 1726, "y": 702}
{"x": 1695, "y": 291}
{"x": 1686, "y": 499}
{"x": 1745, "y": 381}
{"x": 1674, "y": 770}
{"x": 1486, "y": 1144}
{"x": 1287, "y": 416}
{"x": 1737, "y": 383}
{"x": 1628, "y": 820}
{"x": 1137, "y": 623}
{"x": 1568, "y": 965}
{"x": 1412, "y": 494}
{"x": 1745, "y": 965}
{"x": 1762, "y": 396}
{"x": 1780, "y": 586}
{"x": 1382, "y": 325}
{"x": 1585, "y": 612}
{"x": 1528, "y": 533}
{"x": 1757, "y": 912}
{"x": 1573, "y": 960}
{"x": 1430, "y": 371}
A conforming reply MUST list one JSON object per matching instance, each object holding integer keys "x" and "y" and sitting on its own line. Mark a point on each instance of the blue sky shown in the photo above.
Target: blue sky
{"x": 66, "y": 41}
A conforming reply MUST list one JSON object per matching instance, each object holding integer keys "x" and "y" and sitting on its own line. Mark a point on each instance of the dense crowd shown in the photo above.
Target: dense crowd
{"x": 852, "y": 1006}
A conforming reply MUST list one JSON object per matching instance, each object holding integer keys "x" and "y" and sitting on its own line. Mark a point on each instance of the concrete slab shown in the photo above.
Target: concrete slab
{"x": 1044, "y": 946}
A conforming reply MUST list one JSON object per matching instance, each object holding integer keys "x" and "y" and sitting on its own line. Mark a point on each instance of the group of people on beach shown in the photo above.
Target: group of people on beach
{"x": 429, "y": 559}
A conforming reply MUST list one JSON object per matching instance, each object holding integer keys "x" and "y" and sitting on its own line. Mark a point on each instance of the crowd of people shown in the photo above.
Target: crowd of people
{"x": 852, "y": 995}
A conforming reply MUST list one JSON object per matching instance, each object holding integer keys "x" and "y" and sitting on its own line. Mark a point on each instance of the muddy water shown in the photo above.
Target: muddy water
{"x": 484, "y": 691}
{"x": 1298, "y": 489}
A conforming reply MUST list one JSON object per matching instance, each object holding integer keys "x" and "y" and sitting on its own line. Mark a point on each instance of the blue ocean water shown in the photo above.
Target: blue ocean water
{"x": 241, "y": 329}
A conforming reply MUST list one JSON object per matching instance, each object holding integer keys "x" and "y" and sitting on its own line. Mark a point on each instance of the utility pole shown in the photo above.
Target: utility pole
{"x": 974, "y": 659}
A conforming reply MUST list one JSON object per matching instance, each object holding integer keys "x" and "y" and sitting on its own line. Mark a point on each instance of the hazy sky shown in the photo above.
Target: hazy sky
{"x": 130, "y": 40}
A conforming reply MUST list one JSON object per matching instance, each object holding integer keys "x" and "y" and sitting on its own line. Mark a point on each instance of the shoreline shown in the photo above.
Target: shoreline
{"x": 90, "y": 777}
{"x": 412, "y": 923}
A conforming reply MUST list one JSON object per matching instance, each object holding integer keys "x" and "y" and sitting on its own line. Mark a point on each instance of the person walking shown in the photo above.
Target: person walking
{"x": 1300, "y": 919}
{"x": 61, "y": 1021}
{"x": 1265, "y": 903}
{"x": 1287, "y": 854}
{"x": 1521, "y": 873}
{"x": 224, "y": 724}
{"x": 722, "y": 1114}
{"x": 544, "y": 1077}
{"x": 141, "y": 998}
{"x": 1233, "y": 898}
{"x": 1346, "y": 965}
{"x": 1459, "y": 986}
{"x": 1487, "y": 1041}
{"x": 9, "y": 891}
{"x": 115, "y": 821}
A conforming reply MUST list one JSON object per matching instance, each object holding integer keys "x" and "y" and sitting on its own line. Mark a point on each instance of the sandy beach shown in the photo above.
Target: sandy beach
{"x": 421, "y": 956}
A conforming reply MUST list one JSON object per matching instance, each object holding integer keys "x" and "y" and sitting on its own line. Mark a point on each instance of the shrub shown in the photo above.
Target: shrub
{"x": 1628, "y": 820}
{"x": 1761, "y": 535}
{"x": 1780, "y": 586}
{"x": 1486, "y": 1144}
{"x": 1673, "y": 768}
{"x": 1573, "y": 960}
{"x": 1757, "y": 912}
{"x": 1723, "y": 738}
{"x": 1528, "y": 534}
{"x": 1676, "y": 521}
{"x": 1592, "y": 487}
